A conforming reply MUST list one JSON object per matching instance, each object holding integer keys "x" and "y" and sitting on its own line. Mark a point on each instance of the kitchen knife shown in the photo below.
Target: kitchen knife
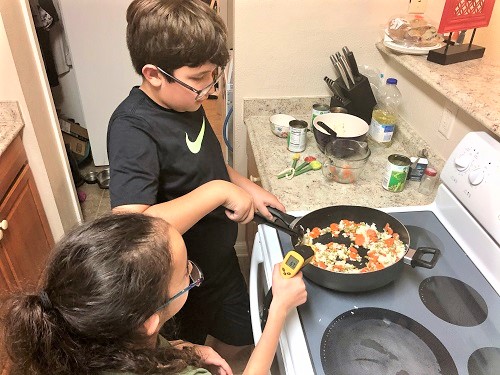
{"x": 333, "y": 59}
{"x": 337, "y": 93}
{"x": 352, "y": 63}
{"x": 347, "y": 68}
{"x": 343, "y": 74}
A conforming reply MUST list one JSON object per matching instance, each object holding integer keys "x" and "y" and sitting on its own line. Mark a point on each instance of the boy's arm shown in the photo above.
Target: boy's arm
{"x": 184, "y": 212}
{"x": 261, "y": 197}
{"x": 287, "y": 294}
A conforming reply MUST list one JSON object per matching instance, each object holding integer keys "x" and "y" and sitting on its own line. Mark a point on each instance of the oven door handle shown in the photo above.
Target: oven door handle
{"x": 256, "y": 260}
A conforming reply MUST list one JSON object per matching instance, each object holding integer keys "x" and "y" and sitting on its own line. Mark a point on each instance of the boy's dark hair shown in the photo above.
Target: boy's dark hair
{"x": 105, "y": 278}
{"x": 175, "y": 33}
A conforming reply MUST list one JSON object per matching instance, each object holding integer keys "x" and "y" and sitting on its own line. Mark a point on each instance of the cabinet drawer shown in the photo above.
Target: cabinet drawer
{"x": 11, "y": 162}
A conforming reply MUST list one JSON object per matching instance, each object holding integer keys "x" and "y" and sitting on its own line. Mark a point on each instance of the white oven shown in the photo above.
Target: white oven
{"x": 456, "y": 304}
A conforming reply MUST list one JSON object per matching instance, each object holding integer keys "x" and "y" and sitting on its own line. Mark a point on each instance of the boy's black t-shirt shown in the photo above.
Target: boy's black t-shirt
{"x": 155, "y": 155}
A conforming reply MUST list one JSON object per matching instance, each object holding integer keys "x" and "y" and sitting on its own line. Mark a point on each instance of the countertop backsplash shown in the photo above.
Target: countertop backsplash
{"x": 311, "y": 190}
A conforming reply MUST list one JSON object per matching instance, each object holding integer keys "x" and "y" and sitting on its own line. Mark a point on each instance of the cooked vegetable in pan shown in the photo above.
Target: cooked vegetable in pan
{"x": 354, "y": 247}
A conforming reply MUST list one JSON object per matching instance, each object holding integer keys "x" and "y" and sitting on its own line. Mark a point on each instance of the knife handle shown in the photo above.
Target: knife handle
{"x": 343, "y": 74}
{"x": 354, "y": 66}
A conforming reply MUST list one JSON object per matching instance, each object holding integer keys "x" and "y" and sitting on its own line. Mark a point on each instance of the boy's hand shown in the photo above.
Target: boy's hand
{"x": 288, "y": 293}
{"x": 262, "y": 198}
{"x": 239, "y": 204}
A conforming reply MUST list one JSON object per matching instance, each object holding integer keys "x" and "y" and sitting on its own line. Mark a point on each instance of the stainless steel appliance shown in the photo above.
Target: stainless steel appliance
{"x": 444, "y": 320}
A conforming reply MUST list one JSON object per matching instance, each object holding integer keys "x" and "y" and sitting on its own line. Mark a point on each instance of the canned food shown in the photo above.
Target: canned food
{"x": 319, "y": 109}
{"x": 395, "y": 174}
{"x": 297, "y": 136}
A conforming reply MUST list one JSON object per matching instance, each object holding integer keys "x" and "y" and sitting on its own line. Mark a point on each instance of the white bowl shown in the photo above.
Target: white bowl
{"x": 345, "y": 125}
{"x": 280, "y": 124}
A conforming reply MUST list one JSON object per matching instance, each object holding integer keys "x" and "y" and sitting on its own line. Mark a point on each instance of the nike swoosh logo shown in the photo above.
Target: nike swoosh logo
{"x": 195, "y": 146}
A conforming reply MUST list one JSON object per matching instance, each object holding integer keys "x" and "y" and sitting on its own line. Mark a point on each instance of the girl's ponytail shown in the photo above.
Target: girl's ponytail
{"x": 29, "y": 331}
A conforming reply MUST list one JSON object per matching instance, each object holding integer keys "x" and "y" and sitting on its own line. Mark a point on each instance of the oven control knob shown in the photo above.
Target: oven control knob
{"x": 462, "y": 162}
{"x": 476, "y": 176}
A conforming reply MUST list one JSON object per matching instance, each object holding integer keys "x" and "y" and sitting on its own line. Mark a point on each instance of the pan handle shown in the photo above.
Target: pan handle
{"x": 415, "y": 257}
{"x": 282, "y": 221}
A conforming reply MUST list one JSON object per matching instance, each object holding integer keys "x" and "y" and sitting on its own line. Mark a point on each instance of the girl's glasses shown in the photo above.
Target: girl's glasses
{"x": 199, "y": 93}
{"x": 196, "y": 277}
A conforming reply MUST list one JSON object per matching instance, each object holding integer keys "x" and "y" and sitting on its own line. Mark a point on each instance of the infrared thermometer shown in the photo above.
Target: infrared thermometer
{"x": 295, "y": 259}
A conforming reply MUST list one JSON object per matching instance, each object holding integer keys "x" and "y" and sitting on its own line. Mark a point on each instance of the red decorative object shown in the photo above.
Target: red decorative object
{"x": 465, "y": 14}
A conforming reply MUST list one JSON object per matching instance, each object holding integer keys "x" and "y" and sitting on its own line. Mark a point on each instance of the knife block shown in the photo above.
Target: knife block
{"x": 360, "y": 96}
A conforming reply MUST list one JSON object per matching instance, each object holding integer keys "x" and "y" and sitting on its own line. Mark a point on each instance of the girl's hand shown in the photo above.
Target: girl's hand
{"x": 212, "y": 358}
{"x": 288, "y": 293}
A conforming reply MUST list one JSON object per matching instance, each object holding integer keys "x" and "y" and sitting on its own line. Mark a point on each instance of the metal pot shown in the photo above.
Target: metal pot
{"x": 345, "y": 282}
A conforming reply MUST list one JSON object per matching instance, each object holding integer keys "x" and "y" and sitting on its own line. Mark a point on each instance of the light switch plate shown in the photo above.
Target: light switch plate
{"x": 448, "y": 119}
{"x": 417, "y": 6}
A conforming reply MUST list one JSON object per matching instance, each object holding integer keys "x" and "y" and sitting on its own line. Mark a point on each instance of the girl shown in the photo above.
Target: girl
{"x": 109, "y": 287}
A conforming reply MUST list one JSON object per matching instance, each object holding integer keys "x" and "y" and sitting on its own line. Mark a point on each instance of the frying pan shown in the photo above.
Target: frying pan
{"x": 349, "y": 282}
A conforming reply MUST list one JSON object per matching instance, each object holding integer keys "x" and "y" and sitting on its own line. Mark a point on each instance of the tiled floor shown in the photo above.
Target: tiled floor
{"x": 97, "y": 203}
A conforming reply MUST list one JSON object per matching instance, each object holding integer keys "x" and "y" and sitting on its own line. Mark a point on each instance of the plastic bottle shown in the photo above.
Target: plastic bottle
{"x": 384, "y": 115}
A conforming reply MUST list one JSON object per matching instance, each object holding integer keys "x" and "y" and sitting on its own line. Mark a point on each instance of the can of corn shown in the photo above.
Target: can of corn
{"x": 395, "y": 173}
{"x": 318, "y": 109}
{"x": 297, "y": 136}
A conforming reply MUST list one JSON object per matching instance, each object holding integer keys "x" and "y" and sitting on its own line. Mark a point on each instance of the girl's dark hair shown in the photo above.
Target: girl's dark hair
{"x": 105, "y": 278}
{"x": 175, "y": 33}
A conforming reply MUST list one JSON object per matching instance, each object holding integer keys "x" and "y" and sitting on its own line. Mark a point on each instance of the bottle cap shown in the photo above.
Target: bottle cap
{"x": 392, "y": 81}
{"x": 430, "y": 171}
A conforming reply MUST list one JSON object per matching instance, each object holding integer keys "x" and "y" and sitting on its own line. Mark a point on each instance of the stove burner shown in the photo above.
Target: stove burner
{"x": 484, "y": 361}
{"x": 379, "y": 341}
{"x": 453, "y": 301}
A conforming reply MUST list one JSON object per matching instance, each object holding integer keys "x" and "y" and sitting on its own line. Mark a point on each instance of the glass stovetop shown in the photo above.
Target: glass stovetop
{"x": 451, "y": 306}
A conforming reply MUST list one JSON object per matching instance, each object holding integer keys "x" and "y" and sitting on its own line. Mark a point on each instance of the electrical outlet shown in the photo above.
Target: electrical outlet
{"x": 448, "y": 119}
{"x": 417, "y": 6}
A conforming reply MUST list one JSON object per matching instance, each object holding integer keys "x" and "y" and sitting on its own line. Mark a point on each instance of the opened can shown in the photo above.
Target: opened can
{"x": 319, "y": 109}
{"x": 297, "y": 136}
{"x": 396, "y": 172}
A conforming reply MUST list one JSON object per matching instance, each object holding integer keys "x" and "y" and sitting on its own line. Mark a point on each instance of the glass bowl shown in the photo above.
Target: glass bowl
{"x": 345, "y": 160}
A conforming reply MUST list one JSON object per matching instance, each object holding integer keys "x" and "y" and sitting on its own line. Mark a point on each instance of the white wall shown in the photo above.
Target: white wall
{"x": 282, "y": 49}
{"x": 23, "y": 79}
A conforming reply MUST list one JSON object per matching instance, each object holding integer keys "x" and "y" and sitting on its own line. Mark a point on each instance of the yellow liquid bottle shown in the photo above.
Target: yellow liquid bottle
{"x": 384, "y": 116}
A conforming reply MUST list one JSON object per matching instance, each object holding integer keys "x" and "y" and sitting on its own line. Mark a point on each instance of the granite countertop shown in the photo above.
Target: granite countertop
{"x": 311, "y": 190}
{"x": 474, "y": 85}
{"x": 11, "y": 123}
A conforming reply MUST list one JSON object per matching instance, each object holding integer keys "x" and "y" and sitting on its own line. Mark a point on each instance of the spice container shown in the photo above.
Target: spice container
{"x": 428, "y": 181}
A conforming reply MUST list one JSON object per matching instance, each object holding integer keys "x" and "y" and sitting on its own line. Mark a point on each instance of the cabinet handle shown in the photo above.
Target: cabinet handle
{"x": 254, "y": 179}
{"x": 4, "y": 224}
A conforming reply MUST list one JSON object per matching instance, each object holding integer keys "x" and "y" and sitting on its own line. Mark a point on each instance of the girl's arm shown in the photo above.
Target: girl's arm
{"x": 287, "y": 294}
{"x": 184, "y": 212}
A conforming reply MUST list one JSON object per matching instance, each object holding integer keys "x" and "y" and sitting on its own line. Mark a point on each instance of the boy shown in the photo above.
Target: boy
{"x": 161, "y": 146}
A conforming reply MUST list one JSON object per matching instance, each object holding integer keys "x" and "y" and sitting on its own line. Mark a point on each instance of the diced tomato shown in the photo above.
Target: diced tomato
{"x": 395, "y": 236}
{"x": 339, "y": 267}
{"x": 389, "y": 241}
{"x": 315, "y": 232}
{"x": 388, "y": 229}
{"x": 364, "y": 270}
{"x": 359, "y": 240}
{"x": 372, "y": 235}
{"x": 334, "y": 227}
{"x": 353, "y": 250}
{"x": 321, "y": 265}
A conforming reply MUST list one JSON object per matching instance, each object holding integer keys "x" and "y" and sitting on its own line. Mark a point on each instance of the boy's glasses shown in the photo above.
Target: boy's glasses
{"x": 199, "y": 93}
{"x": 196, "y": 277}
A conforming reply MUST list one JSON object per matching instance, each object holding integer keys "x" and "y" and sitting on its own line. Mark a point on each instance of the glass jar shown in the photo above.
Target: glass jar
{"x": 428, "y": 181}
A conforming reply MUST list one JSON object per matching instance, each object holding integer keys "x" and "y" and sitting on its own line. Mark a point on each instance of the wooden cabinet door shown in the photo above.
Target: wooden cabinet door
{"x": 26, "y": 243}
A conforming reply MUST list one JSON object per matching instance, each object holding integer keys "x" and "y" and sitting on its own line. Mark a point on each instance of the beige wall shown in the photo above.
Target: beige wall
{"x": 24, "y": 80}
{"x": 282, "y": 49}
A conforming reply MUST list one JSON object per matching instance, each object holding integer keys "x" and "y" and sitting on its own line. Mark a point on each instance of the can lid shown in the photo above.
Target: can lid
{"x": 392, "y": 81}
{"x": 430, "y": 171}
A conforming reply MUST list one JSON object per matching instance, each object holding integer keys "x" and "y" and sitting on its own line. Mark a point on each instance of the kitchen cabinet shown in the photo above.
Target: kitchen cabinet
{"x": 253, "y": 175}
{"x": 25, "y": 236}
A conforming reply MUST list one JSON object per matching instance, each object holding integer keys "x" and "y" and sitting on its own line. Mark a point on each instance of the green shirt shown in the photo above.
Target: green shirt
{"x": 163, "y": 343}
